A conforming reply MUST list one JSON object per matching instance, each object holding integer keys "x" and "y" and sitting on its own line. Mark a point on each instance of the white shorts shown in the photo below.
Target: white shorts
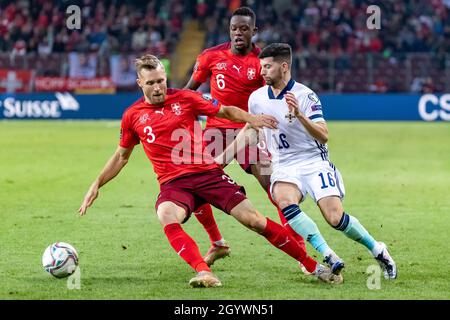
{"x": 320, "y": 179}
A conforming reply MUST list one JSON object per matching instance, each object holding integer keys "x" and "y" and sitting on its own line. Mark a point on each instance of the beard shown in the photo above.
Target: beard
{"x": 269, "y": 82}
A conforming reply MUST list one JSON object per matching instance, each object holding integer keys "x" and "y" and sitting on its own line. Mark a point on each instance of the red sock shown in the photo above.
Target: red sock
{"x": 280, "y": 238}
{"x": 205, "y": 216}
{"x": 185, "y": 247}
{"x": 285, "y": 224}
{"x": 294, "y": 234}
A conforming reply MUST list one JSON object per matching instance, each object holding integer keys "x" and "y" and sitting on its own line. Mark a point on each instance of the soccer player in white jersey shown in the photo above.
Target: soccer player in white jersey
{"x": 300, "y": 158}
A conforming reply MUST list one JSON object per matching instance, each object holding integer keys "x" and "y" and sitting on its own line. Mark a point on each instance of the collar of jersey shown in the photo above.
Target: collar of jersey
{"x": 155, "y": 106}
{"x": 281, "y": 95}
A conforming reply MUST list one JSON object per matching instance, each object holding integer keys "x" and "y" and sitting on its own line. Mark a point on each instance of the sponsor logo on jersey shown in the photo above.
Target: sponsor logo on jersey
{"x": 176, "y": 108}
{"x": 237, "y": 68}
{"x": 160, "y": 111}
{"x": 251, "y": 73}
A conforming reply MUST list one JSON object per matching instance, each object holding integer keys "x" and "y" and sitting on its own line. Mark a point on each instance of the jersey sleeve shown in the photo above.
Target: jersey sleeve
{"x": 312, "y": 107}
{"x": 201, "y": 69}
{"x": 128, "y": 137}
{"x": 204, "y": 105}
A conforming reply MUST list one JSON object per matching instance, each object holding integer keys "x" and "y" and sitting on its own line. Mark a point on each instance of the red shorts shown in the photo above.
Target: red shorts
{"x": 218, "y": 139}
{"x": 193, "y": 190}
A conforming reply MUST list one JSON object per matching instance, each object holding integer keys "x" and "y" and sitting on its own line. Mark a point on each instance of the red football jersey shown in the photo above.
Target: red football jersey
{"x": 232, "y": 78}
{"x": 170, "y": 133}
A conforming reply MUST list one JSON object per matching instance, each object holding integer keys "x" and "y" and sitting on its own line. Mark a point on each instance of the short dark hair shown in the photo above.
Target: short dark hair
{"x": 148, "y": 61}
{"x": 278, "y": 51}
{"x": 246, "y": 12}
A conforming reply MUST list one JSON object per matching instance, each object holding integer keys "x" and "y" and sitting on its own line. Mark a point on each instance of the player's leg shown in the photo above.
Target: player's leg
{"x": 262, "y": 173}
{"x": 256, "y": 161}
{"x": 215, "y": 141}
{"x": 333, "y": 212}
{"x": 287, "y": 195}
{"x": 218, "y": 189}
{"x": 219, "y": 248}
{"x": 325, "y": 184}
{"x": 280, "y": 238}
{"x": 171, "y": 214}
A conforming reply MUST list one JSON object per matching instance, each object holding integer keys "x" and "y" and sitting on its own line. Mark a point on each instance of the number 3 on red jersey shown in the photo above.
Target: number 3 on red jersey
{"x": 148, "y": 131}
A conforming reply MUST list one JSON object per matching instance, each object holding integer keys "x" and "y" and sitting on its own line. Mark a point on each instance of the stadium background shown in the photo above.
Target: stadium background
{"x": 396, "y": 172}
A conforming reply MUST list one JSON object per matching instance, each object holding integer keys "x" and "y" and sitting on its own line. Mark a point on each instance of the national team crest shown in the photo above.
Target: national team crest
{"x": 176, "y": 108}
{"x": 143, "y": 118}
{"x": 251, "y": 73}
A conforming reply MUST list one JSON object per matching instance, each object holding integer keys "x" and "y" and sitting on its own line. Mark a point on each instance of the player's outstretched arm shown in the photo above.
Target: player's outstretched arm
{"x": 238, "y": 115}
{"x": 118, "y": 160}
{"x": 192, "y": 84}
{"x": 247, "y": 136}
{"x": 318, "y": 130}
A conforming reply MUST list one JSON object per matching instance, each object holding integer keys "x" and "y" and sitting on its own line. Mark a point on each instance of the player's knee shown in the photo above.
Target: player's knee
{"x": 334, "y": 215}
{"x": 284, "y": 202}
{"x": 166, "y": 217}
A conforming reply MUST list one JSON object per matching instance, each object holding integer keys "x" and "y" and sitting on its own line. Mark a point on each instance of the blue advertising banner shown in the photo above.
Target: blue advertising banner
{"x": 375, "y": 107}
{"x": 65, "y": 106}
{"x": 390, "y": 107}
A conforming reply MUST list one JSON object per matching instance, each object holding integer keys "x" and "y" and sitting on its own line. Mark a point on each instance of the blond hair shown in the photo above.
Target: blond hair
{"x": 148, "y": 61}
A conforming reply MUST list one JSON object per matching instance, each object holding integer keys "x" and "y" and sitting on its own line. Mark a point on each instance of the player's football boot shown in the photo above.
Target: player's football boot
{"x": 336, "y": 264}
{"x": 205, "y": 279}
{"x": 302, "y": 267}
{"x": 325, "y": 274}
{"x": 386, "y": 262}
{"x": 216, "y": 252}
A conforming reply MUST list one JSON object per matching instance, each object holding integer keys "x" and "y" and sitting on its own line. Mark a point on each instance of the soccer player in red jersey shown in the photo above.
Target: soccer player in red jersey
{"x": 165, "y": 121}
{"x": 235, "y": 72}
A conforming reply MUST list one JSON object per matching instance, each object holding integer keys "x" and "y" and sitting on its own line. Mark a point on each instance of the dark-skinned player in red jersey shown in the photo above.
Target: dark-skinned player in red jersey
{"x": 235, "y": 72}
{"x": 164, "y": 121}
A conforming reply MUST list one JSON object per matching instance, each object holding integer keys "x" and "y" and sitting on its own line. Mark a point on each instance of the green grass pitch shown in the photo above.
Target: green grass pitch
{"x": 397, "y": 178}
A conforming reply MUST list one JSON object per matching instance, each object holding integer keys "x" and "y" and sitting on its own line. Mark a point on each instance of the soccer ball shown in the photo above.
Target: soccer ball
{"x": 60, "y": 259}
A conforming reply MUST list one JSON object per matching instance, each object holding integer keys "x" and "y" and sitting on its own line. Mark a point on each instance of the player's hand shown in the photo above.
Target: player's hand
{"x": 89, "y": 198}
{"x": 263, "y": 121}
{"x": 292, "y": 103}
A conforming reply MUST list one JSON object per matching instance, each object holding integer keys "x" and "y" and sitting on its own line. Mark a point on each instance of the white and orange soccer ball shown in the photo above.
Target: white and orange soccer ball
{"x": 60, "y": 259}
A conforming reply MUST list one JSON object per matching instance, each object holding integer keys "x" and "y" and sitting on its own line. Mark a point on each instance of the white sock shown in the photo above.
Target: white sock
{"x": 327, "y": 252}
{"x": 220, "y": 242}
{"x": 376, "y": 249}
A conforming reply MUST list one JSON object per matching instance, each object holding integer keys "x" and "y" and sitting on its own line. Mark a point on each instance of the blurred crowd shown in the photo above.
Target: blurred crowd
{"x": 317, "y": 30}
{"x": 34, "y": 33}
{"x": 336, "y": 29}
{"x": 339, "y": 26}
{"x": 107, "y": 26}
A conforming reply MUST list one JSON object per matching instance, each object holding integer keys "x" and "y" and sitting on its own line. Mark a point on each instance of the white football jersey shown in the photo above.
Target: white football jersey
{"x": 290, "y": 143}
